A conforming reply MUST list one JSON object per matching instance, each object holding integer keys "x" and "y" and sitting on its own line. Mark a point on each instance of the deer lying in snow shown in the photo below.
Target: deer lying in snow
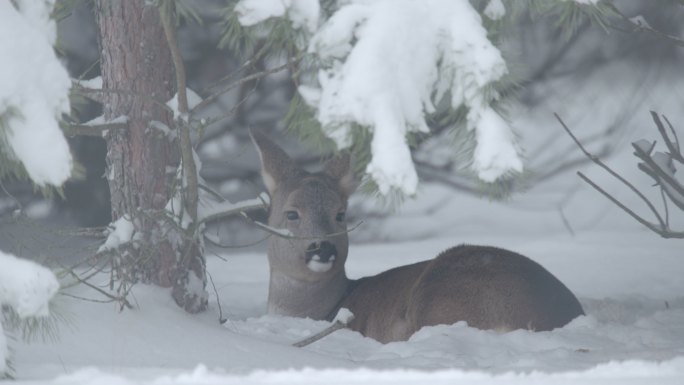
{"x": 487, "y": 287}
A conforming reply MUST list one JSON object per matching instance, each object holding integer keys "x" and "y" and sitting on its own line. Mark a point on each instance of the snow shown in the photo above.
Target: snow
{"x": 34, "y": 91}
{"x": 378, "y": 74}
{"x": 495, "y": 10}
{"x": 193, "y": 100}
{"x": 623, "y": 277}
{"x": 585, "y": 2}
{"x": 303, "y": 14}
{"x": 343, "y": 315}
{"x": 119, "y": 232}
{"x": 99, "y": 120}
{"x": 94, "y": 83}
{"x": 496, "y": 152}
{"x": 633, "y": 371}
{"x": 26, "y": 288}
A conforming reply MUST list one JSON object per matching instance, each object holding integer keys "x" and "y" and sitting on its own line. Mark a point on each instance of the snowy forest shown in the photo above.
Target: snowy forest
{"x": 176, "y": 177}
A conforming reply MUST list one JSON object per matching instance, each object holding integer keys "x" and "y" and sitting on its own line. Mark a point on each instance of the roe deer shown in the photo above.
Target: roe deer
{"x": 487, "y": 287}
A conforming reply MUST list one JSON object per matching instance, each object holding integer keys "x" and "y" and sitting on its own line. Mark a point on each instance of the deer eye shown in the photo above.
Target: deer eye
{"x": 292, "y": 215}
{"x": 340, "y": 217}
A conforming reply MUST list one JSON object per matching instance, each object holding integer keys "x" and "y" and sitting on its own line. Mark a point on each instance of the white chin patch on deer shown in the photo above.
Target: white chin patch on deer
{"x": 317, "y": 265}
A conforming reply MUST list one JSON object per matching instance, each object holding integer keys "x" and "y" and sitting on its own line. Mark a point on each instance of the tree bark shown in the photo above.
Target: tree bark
{"x": 138, "y": 79}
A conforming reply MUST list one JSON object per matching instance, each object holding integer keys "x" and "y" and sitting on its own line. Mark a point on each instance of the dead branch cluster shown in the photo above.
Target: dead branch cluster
{"x": 660, "y": 166}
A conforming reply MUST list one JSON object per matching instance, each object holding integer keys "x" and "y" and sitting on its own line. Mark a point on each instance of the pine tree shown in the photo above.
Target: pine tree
{"x": 461, "y": 98}
{"x": 160, "y": 206}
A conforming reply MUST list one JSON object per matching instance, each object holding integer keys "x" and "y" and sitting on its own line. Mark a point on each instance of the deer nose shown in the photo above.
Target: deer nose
{"x": 320, "y": 256}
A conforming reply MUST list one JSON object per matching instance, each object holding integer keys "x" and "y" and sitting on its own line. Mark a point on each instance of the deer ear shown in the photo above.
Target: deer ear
{"x": 340, "y": 168}
{"x": 276, "y": 165}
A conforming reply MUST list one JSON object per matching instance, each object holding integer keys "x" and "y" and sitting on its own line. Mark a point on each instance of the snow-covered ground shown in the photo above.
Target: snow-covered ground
{"x": 628, "y": 280}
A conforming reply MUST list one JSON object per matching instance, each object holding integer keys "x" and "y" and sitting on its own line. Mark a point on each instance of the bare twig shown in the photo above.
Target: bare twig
{"x": 667, "y": 211}
{"x": 231, "y": 212}
{"x": 113, "y": 298}
{"x": 325, "y": 332}
{"x": 210, "y": 99}
{"x": 249, "y": 62}
{"x": 92, "y": 130}
{"x": 242, "y": 246}
{"x": 16, "y": 201}
{"x": 618, "y": 177}
{"x": 218, "y": 299}
{"x": 673, "y": 147}
{"x": 639, "y": 27}
{"x": 660, "y": 230}
{"x": 98, "y": 94}
{"x": 287, "y": 235}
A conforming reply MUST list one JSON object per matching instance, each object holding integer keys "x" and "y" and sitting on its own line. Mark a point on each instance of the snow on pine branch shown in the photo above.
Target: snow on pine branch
{"x": 385, "y": 63}
{"x": 27, "y": 288}
{"x": 35, "y": 88}
{"x": 303, "y": 14}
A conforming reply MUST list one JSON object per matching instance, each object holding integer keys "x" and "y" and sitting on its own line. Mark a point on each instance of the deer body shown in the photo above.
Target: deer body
{"x": 488, "y": 287}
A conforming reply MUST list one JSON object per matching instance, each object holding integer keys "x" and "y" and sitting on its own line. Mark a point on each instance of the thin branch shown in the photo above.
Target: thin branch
{"x": 638, "y": 27}
{"x": 286, "y": 233}
{"x": 96, "y": 130}
{"x": 97, "y": 94}
{"x": 231, "y": 212}
{"x": 189, "y": 167}
{"x": 258, "y": 75}
{"x": 218, "y": 299}
{"x": 667, "y": 211}
{"x": 660, "y": 230}
{"x": 674, "y": 133}
{"x": 242, "y": 246}
{"x": 249, "y": 62}
{"x": 114, "y": 298}
{"x": 16, "y": 201}
{"x": 170, "y": 33}
{"x": 325, "y": 332}
{"x": 614, "y": 174}
{"x": 673, "y": 147}
{"x": 656, "y": 172}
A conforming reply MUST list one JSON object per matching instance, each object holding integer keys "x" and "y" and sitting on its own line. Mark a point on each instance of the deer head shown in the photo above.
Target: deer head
{"x": 312, "y": 207}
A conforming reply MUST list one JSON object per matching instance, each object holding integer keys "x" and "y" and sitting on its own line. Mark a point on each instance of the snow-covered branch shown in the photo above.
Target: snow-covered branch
{"x": 36, "y": 94}
{"x": 27, "y": 289}
{"x": 374, "y": 72}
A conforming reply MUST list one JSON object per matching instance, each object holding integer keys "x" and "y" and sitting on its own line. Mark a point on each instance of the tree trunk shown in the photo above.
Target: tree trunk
{"x": 138, "y": 79}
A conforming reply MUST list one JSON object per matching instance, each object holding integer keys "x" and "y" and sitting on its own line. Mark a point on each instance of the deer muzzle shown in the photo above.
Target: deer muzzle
{"x": 320, "y": 256}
